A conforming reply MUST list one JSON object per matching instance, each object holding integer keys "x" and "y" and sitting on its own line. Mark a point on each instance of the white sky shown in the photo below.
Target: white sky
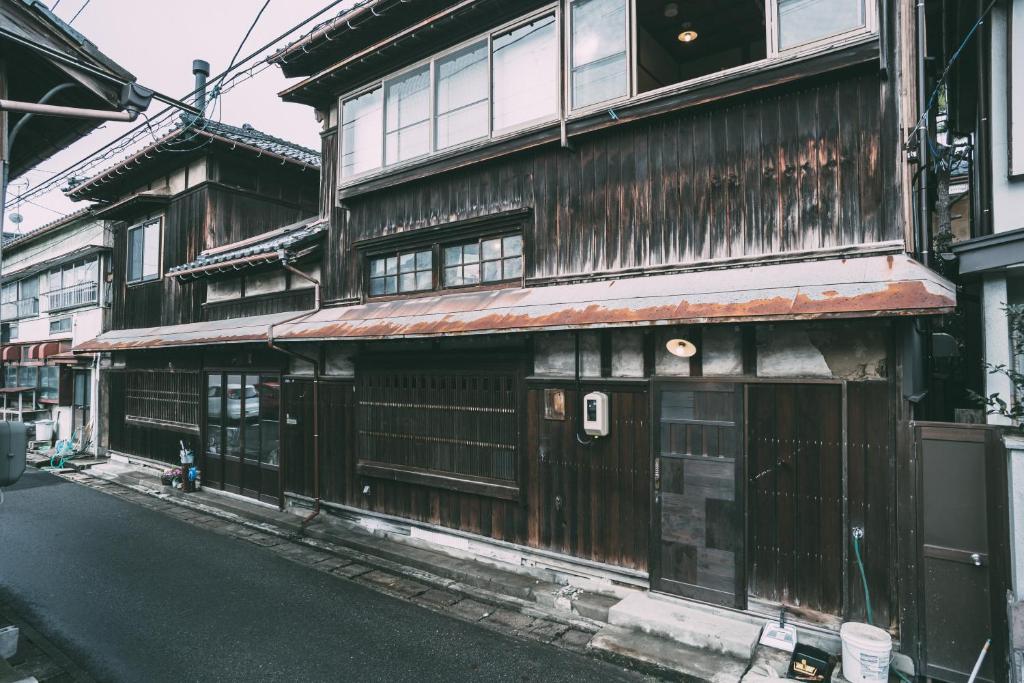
{"x": 157, "y": 40}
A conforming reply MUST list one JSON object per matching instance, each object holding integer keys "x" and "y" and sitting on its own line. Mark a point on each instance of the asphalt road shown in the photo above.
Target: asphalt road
{"x": 133, "y": 595}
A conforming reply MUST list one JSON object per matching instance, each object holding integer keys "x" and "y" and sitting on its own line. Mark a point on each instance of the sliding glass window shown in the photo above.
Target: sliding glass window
{"x": 361, "y": 132}
{"x": 407, "y": 103}
{"x": 807, "y": 21}
{"x": 599, "y": 51}
{"x": 525, "y": 74}
{"x": 462, "y": 96}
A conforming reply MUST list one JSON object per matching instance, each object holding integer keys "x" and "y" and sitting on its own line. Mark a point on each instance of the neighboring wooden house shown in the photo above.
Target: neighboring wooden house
{"x": 702, "y": 214}
{"x": 204, "y": 193}
{"x": 53, "y": 296}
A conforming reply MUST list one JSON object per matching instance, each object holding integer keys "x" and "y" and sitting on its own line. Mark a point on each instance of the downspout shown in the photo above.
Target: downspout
{"x": 316, "y": 382}
{"x": 923, "y": 236}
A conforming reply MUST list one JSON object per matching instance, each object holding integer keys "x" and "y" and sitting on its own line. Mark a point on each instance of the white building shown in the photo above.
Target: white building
{"x": 53, "y": 296}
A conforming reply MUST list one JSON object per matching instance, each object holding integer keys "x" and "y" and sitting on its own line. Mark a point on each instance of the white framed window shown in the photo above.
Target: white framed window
{"x": 461, "y": 96}
{"x": 144, "y": 252}
{"x": 524, "y": 65}
{"x": 362, "y": 130}
{"x": 802, "y": 22}
{"x": 503, "y": 81}
{"x": 407, "y": 116}
{"x": 599, "y": 52}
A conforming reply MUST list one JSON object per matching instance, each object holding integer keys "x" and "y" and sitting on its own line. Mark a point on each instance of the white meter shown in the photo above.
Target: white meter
{"x": 595, "y": 413}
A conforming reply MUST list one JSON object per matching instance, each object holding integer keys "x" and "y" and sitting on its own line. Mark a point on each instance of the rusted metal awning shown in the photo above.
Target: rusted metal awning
{"x": 871, "y": 286}
{"x": 889, "y": 285}
{"x": 235, "y": 330}
{"x": 11, "y": 354}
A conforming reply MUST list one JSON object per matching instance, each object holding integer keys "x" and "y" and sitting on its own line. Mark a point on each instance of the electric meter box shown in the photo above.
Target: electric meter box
{"x": 595, "y": 413}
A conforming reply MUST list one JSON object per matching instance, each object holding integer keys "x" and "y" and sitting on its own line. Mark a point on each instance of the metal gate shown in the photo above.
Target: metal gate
{"x": 963, "y": 549}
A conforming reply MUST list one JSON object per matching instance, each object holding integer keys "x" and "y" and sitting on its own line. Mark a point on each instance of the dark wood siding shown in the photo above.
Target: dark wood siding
{"x": 207, "y": 216}
{"x": 144, "y": 440}
{"x": 589, "y": 501}
{"x": 294, "y": 300}
{"x": 782, "y": 172}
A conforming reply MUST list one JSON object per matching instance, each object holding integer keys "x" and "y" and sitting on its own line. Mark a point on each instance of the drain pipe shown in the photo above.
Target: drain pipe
{"x": 315, "y": 362}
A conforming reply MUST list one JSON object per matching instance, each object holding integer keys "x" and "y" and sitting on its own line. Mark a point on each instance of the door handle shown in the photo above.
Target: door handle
{"x": 976, "y": 559}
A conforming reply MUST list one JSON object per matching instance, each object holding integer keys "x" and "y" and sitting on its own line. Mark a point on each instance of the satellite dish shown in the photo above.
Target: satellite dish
{"x": 16, "y": 218}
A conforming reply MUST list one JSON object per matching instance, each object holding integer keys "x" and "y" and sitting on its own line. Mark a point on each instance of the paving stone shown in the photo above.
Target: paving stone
{"x": 470, "y": 609}
{"x": 513, "y": 620}
{"x": 379, "y": 578}
{"x": 352, "y": 570}
{"x": 575, "y": 639}
{"x": 331, "y": 563}
{"x": 407, "y": 587}
{"x": 265, "y": 540}
{"x": 545, "y": 630}
{"x": 437, "y": 598}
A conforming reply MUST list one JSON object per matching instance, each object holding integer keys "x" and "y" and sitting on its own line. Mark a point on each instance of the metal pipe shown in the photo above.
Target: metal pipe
{"x": 67, "y": 112}
{"x": 201, "y": 70}
{"x": 922, "y": 236}
{"x": 315, "y": 362}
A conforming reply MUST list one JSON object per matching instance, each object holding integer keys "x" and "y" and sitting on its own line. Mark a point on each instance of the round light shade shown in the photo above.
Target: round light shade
{"x": 681, "y": 348}
{"x": 688, "y": 36}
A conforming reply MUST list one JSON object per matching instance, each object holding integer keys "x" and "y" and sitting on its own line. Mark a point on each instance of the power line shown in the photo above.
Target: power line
{"x": 123, "y": 141}
{"x": 80, "y": 10}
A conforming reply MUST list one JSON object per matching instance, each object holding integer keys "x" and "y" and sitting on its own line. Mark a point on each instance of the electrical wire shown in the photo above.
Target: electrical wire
{"x": 923, "y": 120}
{"x": 80, "y": 10}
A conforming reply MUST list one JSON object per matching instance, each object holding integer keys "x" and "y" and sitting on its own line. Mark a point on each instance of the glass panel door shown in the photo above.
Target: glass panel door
{"x": 213, "y": 472}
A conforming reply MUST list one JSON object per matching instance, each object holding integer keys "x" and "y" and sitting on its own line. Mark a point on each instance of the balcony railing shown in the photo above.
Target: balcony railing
{"x": 82, "y": 294}
{"x": 22, "y": 308}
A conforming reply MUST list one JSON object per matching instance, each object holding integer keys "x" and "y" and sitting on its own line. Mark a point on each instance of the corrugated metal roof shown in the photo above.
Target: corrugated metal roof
{"x": 871, "y": 286}
{"x": 269, "y": 245}
{"x": 236, "y": 330}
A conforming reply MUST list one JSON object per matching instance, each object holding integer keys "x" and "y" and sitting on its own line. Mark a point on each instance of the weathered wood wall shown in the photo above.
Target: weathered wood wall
{"x": 207, "y": 216}
{"x": 784, "y": 171}
{"x": 591, "y": 502}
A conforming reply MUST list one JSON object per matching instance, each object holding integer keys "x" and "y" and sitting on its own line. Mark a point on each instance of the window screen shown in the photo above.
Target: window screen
{"x": 462, "y": 421}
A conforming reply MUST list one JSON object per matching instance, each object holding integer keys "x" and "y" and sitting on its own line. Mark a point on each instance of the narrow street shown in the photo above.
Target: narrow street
{"x": 130, "y": 594}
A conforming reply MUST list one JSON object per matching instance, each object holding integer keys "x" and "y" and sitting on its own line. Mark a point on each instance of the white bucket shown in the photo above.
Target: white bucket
{"x": 44, "y": 430}
{"x": 866, "y": 653}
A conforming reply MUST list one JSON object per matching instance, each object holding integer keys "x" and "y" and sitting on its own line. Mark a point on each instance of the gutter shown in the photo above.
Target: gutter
{"x": 315, "y": 362}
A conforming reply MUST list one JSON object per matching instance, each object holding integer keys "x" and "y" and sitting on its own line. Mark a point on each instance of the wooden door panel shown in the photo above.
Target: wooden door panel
{"x": 795, "y": 495}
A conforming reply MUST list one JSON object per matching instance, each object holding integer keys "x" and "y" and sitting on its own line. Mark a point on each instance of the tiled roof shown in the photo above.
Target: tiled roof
{"x": 257, "y": 250}
{"x": 250, "y": 136}
{"x": 246, "y": 136}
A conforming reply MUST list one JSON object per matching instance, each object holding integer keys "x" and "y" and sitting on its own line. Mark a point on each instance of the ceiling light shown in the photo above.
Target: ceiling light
{"x": 671, "y": 10}
{"x": 687, "y": 35}
{"x": 681, "y": 348}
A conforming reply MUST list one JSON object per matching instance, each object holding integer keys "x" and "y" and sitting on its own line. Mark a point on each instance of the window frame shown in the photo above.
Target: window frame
{"x": 493, "y": 134}
{"x": 436, "y": 244}
{"x": 563, "y": 32}
{"x": 159, "y": 221}
{"x": 479, "y": 240}
{"x": 397, "y": 253}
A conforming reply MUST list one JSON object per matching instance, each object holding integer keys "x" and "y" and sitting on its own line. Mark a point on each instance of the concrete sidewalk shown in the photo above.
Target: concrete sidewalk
{"x": 662, "y": 636}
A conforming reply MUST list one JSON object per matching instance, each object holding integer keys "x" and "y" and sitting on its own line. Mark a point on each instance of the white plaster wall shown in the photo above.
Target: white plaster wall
{"x": 1007, "y": 195}
{"x": 64, "y": 241}
{"x": 996, "y": 338}
{"x": 197, "y": 172}
{"x": 339, "y": 361}
{"x": 554, "y": 354}
{"x": 723, "y": 351}
{"x": 87, "y": 324}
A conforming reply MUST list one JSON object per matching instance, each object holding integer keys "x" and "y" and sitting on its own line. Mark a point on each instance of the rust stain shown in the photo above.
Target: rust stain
{"x": 830, "y": 293}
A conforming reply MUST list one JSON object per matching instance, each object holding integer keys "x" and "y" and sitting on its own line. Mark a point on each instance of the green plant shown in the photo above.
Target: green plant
{"x": 1013, "y": 407}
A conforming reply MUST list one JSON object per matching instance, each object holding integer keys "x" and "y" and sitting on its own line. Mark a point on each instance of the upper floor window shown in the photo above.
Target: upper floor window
{"x": 73, "y": 284}
{"x": 599, "y": 51}
{"x": 492, "y": 259}
{"x": 806, "y": 21}
{"x": 144, "y": 252}
{"x": 410, "y": 271}
{"x": 497, "y": 259}
{"x": 20, "y": 299}
{"x": 503, "y": 81}
{"x": 509, "y": 79}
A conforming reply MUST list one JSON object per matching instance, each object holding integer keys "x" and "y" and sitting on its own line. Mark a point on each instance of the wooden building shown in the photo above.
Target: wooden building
{"x": 202, "y": 222}
{"x": 701, "y": 215}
